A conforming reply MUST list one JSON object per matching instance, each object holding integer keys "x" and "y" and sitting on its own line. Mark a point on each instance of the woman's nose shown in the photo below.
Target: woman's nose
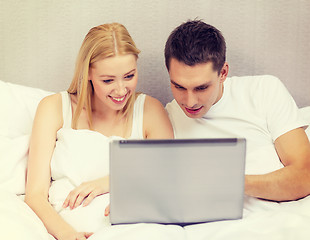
{"x": 121, "y": 89}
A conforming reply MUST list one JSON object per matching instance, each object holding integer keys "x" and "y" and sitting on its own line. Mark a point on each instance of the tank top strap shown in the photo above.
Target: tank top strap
{"x": 66, "y": 109}
{"x": 137, "y": 119}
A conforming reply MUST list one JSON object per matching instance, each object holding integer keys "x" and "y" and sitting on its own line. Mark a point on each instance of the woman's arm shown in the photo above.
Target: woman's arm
{"x": 47, "y": 121}
{"x": 156, "y": 124}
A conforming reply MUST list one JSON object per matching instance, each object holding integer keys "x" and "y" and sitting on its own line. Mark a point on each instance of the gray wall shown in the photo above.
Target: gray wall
{"x": 39, "y": 39}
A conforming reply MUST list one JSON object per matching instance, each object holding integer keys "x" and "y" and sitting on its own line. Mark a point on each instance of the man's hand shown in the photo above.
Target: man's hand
{"x": 86, "y": 192}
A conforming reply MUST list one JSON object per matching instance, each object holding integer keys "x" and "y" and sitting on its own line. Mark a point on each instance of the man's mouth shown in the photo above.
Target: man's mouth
{"x": 193, "y": 110}
{"x": 119, "y": 100}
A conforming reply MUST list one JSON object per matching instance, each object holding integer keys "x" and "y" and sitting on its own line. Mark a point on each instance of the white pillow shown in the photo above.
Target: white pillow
{"x": 13, "y": 163}
{"x": 18, "y": 105}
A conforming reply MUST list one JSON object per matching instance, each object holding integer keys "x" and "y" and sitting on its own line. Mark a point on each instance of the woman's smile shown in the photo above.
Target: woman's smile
{"x": 119, "y": 100}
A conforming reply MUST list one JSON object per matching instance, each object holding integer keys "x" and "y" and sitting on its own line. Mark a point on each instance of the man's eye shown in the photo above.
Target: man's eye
{"x": 107, "y": 81}
{"x": 179, "y": 87}
{"x": 201, "y": 88}
{"x": 129, "y": 76}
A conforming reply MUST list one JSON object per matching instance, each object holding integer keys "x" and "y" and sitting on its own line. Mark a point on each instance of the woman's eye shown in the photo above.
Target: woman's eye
{"x": 107, "y": 81}
{"x": 129, "y": 76}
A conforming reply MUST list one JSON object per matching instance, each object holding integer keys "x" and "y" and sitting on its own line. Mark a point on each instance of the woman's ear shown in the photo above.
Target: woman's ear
{"x": 90, "y": 75}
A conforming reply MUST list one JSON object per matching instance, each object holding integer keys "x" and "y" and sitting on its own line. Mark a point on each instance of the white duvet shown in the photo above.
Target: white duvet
{"x": 261, "y": 220}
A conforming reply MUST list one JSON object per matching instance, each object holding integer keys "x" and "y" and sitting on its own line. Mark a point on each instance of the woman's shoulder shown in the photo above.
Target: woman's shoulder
{"x": 151, "y": 102}
{"x": 152, "y": 107}
{"x": 50, "y": 107}
{"x": 154, "y": 116}
{"x": 53, "y": 100}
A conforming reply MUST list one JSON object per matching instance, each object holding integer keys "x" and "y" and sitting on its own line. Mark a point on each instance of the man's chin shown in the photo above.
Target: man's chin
{"x": 193, "y": 116}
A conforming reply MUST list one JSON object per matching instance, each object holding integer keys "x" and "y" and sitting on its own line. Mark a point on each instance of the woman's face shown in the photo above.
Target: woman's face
{"x": 114, "y": 80}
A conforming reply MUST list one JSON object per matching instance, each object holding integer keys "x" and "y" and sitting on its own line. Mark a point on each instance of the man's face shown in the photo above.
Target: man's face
{"x": 196, "y": 88}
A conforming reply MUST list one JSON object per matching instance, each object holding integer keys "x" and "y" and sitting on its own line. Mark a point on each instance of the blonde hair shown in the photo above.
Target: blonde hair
{"x": 103, "y": 41}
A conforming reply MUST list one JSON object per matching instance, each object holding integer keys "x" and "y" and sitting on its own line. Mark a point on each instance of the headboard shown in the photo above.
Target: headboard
{"x": 40, "y": 39}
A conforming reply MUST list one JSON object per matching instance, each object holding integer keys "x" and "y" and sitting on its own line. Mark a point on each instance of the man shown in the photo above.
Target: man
{"x": 258, "y": 108}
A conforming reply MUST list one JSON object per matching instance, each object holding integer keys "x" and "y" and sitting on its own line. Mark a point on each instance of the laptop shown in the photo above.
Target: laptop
{"x": 179, "y": 181}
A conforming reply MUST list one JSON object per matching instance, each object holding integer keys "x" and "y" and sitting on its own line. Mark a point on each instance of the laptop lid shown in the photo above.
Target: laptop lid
{"x": 180, "y": 181}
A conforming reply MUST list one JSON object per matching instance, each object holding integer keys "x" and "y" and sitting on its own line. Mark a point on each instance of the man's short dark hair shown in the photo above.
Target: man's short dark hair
{"x": 195, "y": 42}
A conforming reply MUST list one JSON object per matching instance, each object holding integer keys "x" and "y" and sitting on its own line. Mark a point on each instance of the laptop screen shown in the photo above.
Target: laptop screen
{"x": 178, "y": 181}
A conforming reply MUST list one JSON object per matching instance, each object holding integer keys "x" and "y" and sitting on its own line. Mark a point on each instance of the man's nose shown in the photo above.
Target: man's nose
{"x": 192, "y": 100}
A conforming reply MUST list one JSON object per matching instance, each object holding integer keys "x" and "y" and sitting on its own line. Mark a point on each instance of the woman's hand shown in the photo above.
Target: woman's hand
{"x": 76, "y": 236}
{"x": 107, "y": 211}
{"x": 86, "y": 192}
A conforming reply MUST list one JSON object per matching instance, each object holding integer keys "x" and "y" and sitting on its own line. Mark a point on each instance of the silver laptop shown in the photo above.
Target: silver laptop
{"x": 180, "y": 181}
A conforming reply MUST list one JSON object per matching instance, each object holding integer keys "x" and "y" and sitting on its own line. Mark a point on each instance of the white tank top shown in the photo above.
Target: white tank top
{"x": 137, "y": 123}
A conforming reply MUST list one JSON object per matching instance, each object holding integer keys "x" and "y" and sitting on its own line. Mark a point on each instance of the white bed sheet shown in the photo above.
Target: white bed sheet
{"x": 284, "y": 221}
{"x": 266, "y": 220}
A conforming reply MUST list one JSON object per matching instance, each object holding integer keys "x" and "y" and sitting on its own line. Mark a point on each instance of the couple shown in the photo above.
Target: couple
{"x": 72, "y": 129}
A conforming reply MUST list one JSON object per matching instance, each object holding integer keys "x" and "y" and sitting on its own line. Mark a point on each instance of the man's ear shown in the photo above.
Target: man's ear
{"x": 224, "y": 72}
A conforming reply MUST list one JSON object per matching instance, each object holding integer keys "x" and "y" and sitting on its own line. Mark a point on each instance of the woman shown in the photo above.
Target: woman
{"x": 72, "y": 130}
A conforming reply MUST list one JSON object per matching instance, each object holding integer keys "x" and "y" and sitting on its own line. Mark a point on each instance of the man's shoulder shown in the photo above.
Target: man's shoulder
{"x": 255, "y": 79}
{"x": 253, "y": 84}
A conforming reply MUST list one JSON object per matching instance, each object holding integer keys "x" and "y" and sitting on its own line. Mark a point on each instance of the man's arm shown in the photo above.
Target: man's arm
{"x": 291, "y": 182}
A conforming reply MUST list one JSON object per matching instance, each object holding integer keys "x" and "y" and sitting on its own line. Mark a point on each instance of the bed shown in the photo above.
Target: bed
{"x": 261, "y": 220}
